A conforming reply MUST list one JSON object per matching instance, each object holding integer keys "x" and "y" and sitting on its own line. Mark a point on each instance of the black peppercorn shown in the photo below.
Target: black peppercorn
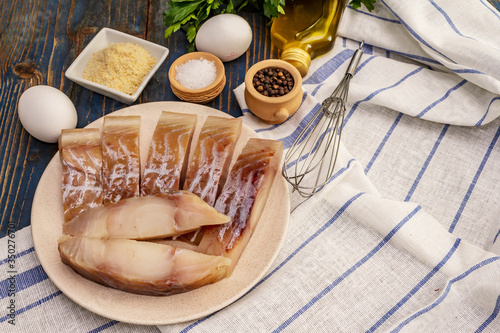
{"x": 273, "y": 82}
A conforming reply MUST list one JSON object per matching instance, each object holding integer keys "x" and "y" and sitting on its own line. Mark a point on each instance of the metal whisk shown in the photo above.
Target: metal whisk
{"x": 309, "y": 163}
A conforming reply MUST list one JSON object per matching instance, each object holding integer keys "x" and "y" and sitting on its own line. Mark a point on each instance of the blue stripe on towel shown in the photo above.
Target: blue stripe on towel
{"x": 449, "y": 20}
{"x": 23, "y": 280}
{"x": 446, "y": 17}
{"x": 33, "y": 305}
{"x": 493, "y": 10}
{"x": 103, "y": 327}
{"x": 474, "y": 181}
{"x": 341, "y": 278}
{"x": 18, "y": 255}
{"x": 424, "y": 111}
{"x": 416, "y": 288}
{"x": 493, "y": 315}
{"x": 310, "y": 239}
{"x": 466, "y": 71}
{"x": 368, "y": 49}
{"x": 363, "y": 64}
{"x": 317, "y": 88}
{"x": 426, "y": 163}
{"x": 480, "y": 122}
{"x": 329, "y": 67}
{"x": 496, "y": 236}
{"x": 415, "y": 57}
{"x": 414, "y": 33}
{"x": 384, "y": 141}
{"x": 445, "y": 292}
{"x": 284, "y": 262}
{"x": 376, "y": 92}
{"x": 341, "y": 171}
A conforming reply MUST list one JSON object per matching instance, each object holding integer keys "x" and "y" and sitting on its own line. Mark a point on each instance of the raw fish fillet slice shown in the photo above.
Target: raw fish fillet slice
{"x": 243, "y": 199}
{"x": 120, "y": 151}
{"x": 168, "y": 153}
{"x": 141, "y": 267}
{"x": 212, "y": 156}
{"x": 170, "y": 214}
{"x": 81, "y": 157}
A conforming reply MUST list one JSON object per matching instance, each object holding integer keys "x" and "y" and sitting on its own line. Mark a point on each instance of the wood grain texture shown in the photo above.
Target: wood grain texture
{"x": 495, "y": 3}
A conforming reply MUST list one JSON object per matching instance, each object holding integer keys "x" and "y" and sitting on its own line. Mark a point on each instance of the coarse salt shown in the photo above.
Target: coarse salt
{"x": 196, "y": 73}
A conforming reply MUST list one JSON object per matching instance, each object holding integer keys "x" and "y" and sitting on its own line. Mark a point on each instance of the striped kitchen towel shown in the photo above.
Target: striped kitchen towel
{"x": 30, "y": 302}
{"x": 406, "y": 236}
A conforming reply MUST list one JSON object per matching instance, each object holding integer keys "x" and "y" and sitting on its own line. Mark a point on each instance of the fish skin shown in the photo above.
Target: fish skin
{"x": 121, "y": 160}
{"x": 212, "y": 157}
{"x": 172, "y": 213}
{"x": 81, "y": 158}
{"x": 168, "y": 153}
{"x": 140, "y": 267}
{"x": 243, "y": 199}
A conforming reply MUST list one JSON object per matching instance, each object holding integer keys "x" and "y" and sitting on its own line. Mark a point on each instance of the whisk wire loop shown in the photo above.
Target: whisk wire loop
{"x": 309, "y": 163}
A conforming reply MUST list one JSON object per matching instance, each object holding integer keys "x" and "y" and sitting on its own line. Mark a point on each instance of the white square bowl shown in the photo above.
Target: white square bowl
{"x": 104, "y": 38}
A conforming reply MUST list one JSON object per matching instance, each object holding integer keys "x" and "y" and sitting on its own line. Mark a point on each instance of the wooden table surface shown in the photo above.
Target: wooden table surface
{"x": 40, "y": 39}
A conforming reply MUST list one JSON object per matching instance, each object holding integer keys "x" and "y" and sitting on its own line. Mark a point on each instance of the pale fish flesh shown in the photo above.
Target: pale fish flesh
{"x": 120, "y": 150}
{"x": 243, "y": 199}
{"x": 212, "y": 156}
{"x": 81, "y": 157}
{"x": 141, "y": 267}
{"x": 168, "y": 153}
{"x": 153, "y": 217}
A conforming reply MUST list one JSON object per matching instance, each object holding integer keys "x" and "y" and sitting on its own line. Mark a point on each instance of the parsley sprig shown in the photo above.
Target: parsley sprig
{"x": 369, "y": 4}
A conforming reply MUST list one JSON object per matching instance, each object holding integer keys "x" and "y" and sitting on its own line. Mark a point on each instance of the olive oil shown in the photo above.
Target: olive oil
{"x": 306, "y": 30}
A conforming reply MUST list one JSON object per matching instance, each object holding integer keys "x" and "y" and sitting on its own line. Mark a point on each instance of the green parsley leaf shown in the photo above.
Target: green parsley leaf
{"x": 369, "y": 4}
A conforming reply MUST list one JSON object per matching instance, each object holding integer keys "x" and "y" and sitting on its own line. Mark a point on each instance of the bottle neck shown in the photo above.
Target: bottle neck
{"x": 297, "y": 57}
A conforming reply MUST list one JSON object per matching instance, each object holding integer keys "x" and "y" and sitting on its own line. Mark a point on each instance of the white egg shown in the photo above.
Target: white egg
{"x": 226, "y": 36}
{"x": 44, "y": 111}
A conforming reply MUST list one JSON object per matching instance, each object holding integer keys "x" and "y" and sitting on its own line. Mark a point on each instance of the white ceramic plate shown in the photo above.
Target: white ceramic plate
{"x": 47, "y": 220}
{"x": 104, "y": 38}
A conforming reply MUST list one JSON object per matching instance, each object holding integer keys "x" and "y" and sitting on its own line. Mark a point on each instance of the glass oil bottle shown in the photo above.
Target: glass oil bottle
{"x": 306, "y": 30}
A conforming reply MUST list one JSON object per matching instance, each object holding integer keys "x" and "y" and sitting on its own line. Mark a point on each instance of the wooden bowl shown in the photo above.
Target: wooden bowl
{"x": 202, "y": 95}
{"x": 273, "y": 110}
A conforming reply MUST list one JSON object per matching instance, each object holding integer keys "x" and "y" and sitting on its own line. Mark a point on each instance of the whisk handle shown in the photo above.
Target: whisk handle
{"x": 355, "y": 61}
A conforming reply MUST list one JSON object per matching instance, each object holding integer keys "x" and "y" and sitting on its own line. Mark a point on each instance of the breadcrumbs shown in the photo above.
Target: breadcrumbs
{"x": 120, "y": 66}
